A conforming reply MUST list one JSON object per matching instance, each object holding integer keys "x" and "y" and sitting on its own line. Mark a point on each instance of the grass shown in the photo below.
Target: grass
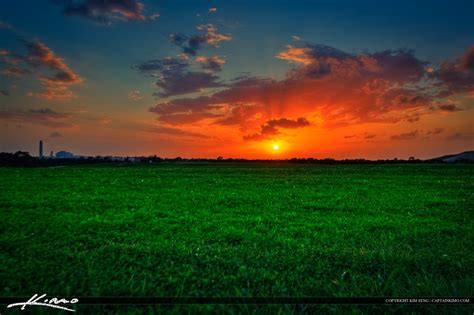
{"x": 238, "y": 230}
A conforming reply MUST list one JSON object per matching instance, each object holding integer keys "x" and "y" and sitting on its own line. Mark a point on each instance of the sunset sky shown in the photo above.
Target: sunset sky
{"x": 340, "y": 79}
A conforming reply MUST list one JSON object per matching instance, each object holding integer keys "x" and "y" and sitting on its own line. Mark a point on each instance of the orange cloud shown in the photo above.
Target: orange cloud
{"x": 212, "y": 37}
{"x": 52, "y": 72}
{"x": 39, "y": 55}
{"x": 213, "y": 63}
{"x": 296, "y": 54}
{"x": 334, "y": 87}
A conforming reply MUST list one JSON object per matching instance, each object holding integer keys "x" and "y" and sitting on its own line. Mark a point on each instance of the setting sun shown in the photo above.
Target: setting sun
{"x": 276, "y": 147}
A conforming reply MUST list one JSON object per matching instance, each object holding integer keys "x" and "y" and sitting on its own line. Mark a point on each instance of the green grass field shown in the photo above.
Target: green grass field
{"x": 238, "y": 230}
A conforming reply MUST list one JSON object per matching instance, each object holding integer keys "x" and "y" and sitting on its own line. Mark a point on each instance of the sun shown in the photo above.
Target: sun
{"x": 276, "y": 147}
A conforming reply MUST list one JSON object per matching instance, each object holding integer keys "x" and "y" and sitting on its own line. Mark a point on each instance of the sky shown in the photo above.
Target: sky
{"x": 321, "y": 79}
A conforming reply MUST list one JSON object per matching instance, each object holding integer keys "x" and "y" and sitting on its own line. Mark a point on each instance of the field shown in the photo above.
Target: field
{"x": 238, "y": 230}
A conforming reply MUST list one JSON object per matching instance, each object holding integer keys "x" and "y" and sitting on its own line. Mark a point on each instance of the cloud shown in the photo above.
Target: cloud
{"x": 5, "y": 25}
{"x": 175, "y": 76}
{"x": 212, "y": 37}
{"x": 327, "y": 85}
{"x": 271, "y": 127}
{"x": 106, "y": 11}
{"x": 15, "y": 71}
{"x": 296, "y": 38}
{"x": 406, "y": 136}
{"x": 296, "y": 54}
{"x": 176, "y": 132}
{"x": 184, "y": 82}
{"x": 213, "y": 63}
{"x": 191, "y": 45}
{"x": 464, "y": 136}
{"x": 449, "y": 108}
{"x": 46, "y": 117}
{"x": 135, "y": 95}
{"x": 50, "y": 69}
{"x": 55, "y": 134}
{"x": 154, "y": 16}
{"x": 456, "y": 76}
{"x": 435, "y": 131}
{"x": 41, "y": 55}
{"x": 53, "y": 92}
{"x": 394, "y": 66}
{"x": 365, "y": 135}
{"x": 154, "y": 66}
{"x": 185, "y": 111}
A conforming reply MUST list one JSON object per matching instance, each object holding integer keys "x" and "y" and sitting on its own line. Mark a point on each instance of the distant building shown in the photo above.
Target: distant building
{"x": 40, "y": 154}
{"x": 64, "y": 155}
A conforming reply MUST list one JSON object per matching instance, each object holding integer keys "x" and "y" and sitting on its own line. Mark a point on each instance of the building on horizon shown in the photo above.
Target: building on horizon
{"x": 40, "y": 153}
{"x": 64, "y": 155}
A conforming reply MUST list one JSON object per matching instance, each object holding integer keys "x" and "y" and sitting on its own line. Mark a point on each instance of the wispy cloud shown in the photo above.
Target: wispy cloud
{"x": 176, "y": 132}
{"x": 135, "y": 95}
{"x": 55, "y": 134}
{"x": 462, "y": 136}
{"x": 46, "y": 117}
{"x": 406, "y": 136}
{"x": 106, "y": 11}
